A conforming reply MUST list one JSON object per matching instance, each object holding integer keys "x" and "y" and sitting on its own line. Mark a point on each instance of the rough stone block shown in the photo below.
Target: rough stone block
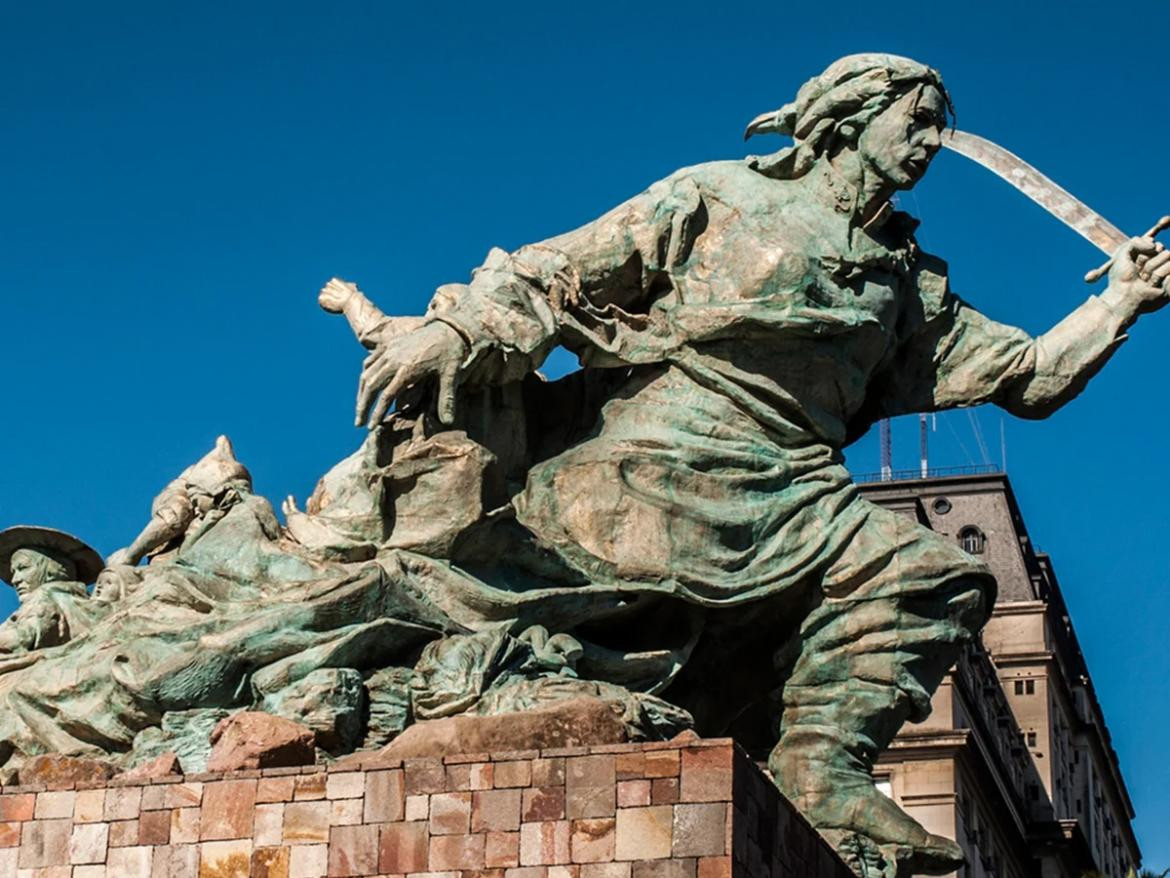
{"x": 633, "y": 793}
{"x": 495, "y": 810}
{"x": 590, "y": 786}
{"x": 384, "y": 800}
{"x": 18, "y": 807}
{"x": 44, "y": 843}
{"x": 548, "y": 772}
{"x": 456, "y": 852}
{"x": 418, "y": 807}
{"x": 123, "y": 803}
{"x": 664, "y": 869}
{"x": 228, "y": 810}
{"x": 184, "y": 825}
{"x": 88, "y": 842}
{"x": 605, "y": 870}
{"x": 274, "y": 789}
{"x": 345, "y": 785}
{"x": 269, "y": 825}
{"x": 543, "y": 803}
{"x": 9, "y": 835}
{"x": 592, "y": 840}
{"x": 706, "y": 775}
{"x": 345, "y": 812}
{"x": 644, "y": 833}
{"x": 307, "y": 787}
{"x": 545, "y": 843}
{"x": 403, "y": 848}
{"x": 184, "y": 795}
{"x": 700, "y": 830}
{"x": 511, "y": 774}
{"x": 221, "y": 859}
{"x": 98, "y": 871}
{"x": 130, "y": 862}
{"x": 123, "y": 833}
{"x": 176, "y": 861}
{"x": 308, "y": 860}
{"x": 501, "y": 849}
{"x": 251, "y": 739}
{"x": 353, "y": 850}
{"x": 424, "y": 776}
{"x": 660, "y": 763}
{"x": 450, "y": 813}
{"x": 664, "y": 791}
{"x": 154, "y": 798}
{"x": 55, "y": 770}
{"x": 270, "y": 862}
{"x": 55, "y": 805}
{"x": 306, "y": 822}
{"x": 89, "y": 806}
{"x": 714, "y": 867}
{"x": 329, "y": 702}
{"x": 160, "y": 766}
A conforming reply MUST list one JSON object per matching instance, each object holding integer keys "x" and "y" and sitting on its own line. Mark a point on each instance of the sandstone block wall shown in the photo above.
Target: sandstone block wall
{"x": 699, "y": 809}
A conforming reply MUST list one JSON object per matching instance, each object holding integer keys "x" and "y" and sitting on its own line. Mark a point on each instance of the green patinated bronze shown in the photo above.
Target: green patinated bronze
{"x": 671, "y": 528}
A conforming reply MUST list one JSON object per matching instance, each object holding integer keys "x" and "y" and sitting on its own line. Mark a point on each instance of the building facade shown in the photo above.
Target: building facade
{"x": 1015, "y": 762}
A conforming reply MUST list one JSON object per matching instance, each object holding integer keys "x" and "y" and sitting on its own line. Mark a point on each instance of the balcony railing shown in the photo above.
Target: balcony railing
{"x": 900, "y": 475}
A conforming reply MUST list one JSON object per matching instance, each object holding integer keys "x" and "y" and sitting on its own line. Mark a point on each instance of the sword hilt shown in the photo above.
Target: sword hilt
{"x": 1097, "y": 273}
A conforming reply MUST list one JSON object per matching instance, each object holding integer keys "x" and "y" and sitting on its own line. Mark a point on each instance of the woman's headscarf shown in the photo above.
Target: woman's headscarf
{"x": 837, "y": 105}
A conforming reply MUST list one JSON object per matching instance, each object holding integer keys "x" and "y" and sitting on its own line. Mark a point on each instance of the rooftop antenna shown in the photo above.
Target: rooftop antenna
{"x": 887, "y": 450}
{"x": 923, "y": 456}
{"x": 1002, "y": 446}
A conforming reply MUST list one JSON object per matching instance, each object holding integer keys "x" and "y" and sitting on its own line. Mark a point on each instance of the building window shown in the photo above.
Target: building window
{"x": 941, "y": 505}
{"x": 1031, "y": 739}
{"x": 972, "y": 540}
{"x": 1019, "y": 687}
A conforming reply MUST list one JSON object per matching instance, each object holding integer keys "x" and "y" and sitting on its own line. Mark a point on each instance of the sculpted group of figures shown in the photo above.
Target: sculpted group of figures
{"x": 669, "y": 528}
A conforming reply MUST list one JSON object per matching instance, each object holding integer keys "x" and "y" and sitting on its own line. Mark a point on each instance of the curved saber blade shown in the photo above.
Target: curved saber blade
{"x": 1074, "y": 213}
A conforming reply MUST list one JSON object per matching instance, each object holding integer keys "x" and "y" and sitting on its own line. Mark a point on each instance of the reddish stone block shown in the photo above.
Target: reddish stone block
{"x": 353, "y": 850}
{"x": 714, "y": 867}
{"x": 306, "y": 822}
{"x": 345, "y": 812}
{"x": 268, "y": 862}
{"x": 633, "y": 793}
{"x": 502, "y": 849}
{"x": 590, "y": 786}
{"x": 9, "y": 835}
{"x": 567, "y": 871}
{"x": 495, "y": 810}
{"x": 403, "y": 847}
{"x": 592, "y": 841}
{"x": 385, "y": 793}
{"x": 543, "y": 803}
{"x": 665, "y": 869}
{"x": 164, "y": 765}
{"x": 138, "y": 860}
{"x": 661, "y": 763}
{"x": 511, "y": 774}
{"x": 154, "y": 827}
{"x": 630, "y": 766}
{"x": 123, "y": 803}
{"x": 44, "y": 843}
{"x": 545, "y": 843}
{"x": 706, "y": 775}
{"x": 184, "y": 795}
{"x": 664, "y": 791}
{"x": 308, "y": 860}
{"x": 450, "y": 813}
{"x": 424, "y": 776}
{"x": 418, "y": 807}
{"x": 123, "y": 833}
{"x": 449, "y": 852}
{"x": 229, "y": 808}
{"x": 274, "y": 789}
{"x": 644, "y": 833}
{"x": 154, "y": 798}
{"x": 268, "y": 830}
{"x": 20, "y": 807}
{"x": 548, "y": 772}
{"x": 307, "y": 787}
{"x": 56, "y": 771}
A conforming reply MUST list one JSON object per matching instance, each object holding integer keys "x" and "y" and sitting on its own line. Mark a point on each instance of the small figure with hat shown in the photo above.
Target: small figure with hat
{"x": 49, "y": 569}
{"x": 201, "y": 495}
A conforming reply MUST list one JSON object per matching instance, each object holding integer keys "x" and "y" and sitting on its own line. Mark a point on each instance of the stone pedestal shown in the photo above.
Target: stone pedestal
{"x": 698, "y": 809}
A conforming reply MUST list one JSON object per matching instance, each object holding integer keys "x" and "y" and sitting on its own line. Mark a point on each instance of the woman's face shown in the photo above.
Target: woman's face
{"x": 30, "y": 570}
{"x": 899, "y": 142}
{"x": 108, "y": 588}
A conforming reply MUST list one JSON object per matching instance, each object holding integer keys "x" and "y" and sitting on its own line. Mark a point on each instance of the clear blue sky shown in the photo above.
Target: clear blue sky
{"x": 177, "y": 181}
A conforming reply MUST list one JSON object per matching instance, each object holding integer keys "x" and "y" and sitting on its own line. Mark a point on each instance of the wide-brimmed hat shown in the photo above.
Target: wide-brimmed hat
{"x": 87, "y": 562}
